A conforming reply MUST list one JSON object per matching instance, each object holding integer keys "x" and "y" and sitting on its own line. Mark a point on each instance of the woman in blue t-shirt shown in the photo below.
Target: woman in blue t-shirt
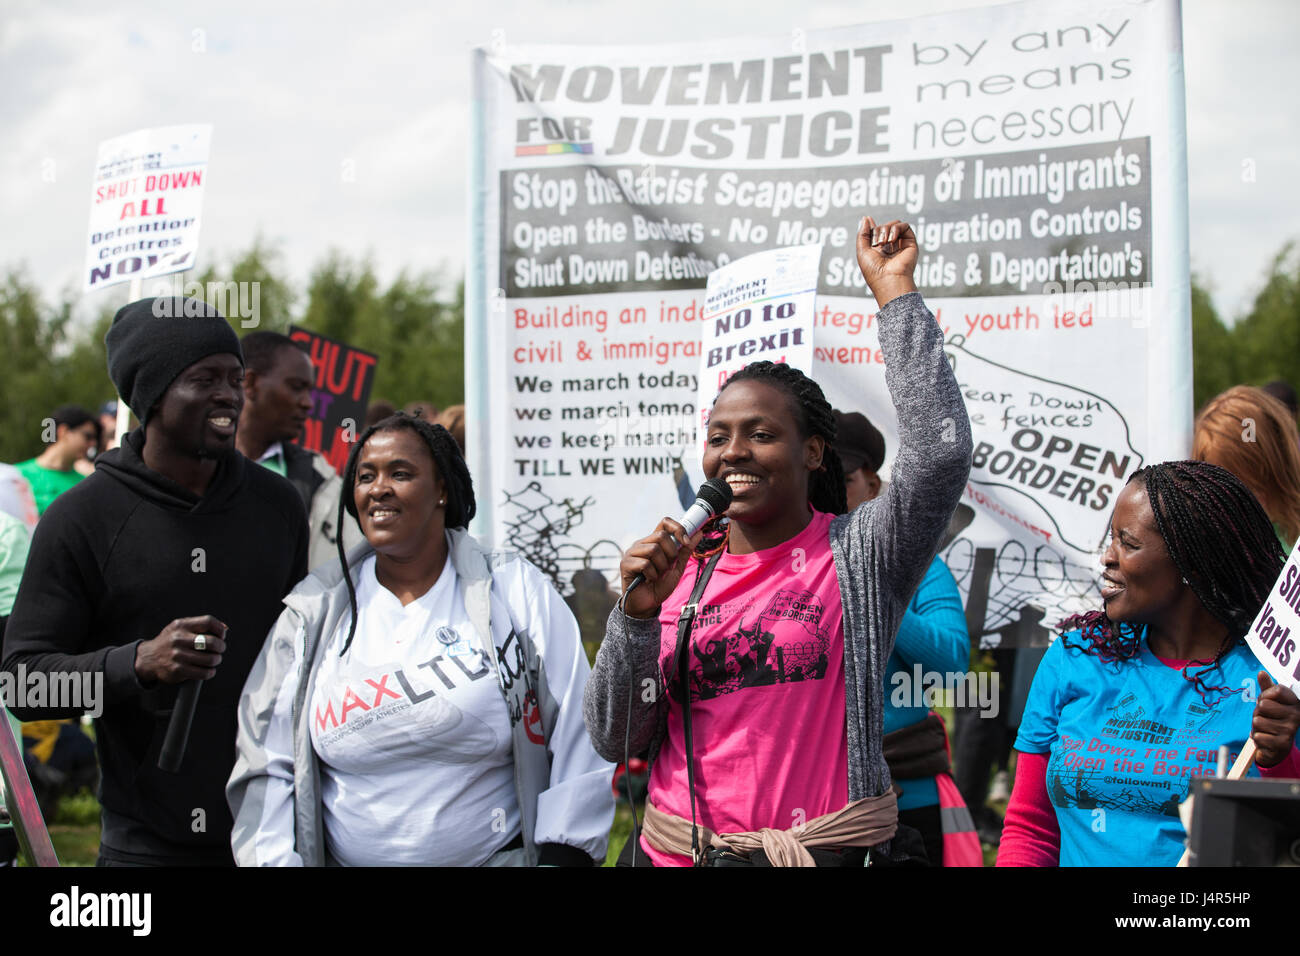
{"x": 1134, "y": 701}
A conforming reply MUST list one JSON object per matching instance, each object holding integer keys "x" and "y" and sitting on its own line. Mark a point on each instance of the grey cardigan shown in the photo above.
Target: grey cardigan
{"x": 881, "y": 552}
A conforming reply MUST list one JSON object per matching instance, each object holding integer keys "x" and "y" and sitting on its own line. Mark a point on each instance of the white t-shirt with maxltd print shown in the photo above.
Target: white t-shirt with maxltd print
{"x": 413, "y": 734}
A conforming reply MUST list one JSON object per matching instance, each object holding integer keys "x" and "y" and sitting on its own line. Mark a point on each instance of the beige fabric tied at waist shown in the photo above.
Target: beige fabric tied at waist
{"x": 865, "y": 822}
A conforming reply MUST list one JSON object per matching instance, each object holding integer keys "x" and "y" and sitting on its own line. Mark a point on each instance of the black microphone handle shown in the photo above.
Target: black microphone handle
{"x": 178, "y": 728}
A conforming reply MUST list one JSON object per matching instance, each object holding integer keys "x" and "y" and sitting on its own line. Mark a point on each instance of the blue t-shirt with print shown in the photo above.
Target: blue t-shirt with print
{"x": 1126, "y": 739}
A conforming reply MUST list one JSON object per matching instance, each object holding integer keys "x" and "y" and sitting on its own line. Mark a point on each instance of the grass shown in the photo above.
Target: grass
{"x": 621, "y": 830}
{"x": 74, "y": 831}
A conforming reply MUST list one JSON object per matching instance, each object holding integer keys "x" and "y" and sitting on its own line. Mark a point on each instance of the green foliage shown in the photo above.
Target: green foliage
{"x": 1267, "y": 339}
{"x": 416, "y": 325}
{"x": 413, "y": 325}
{"x": 256, "y": 267}
{"x": 78, "y": 810}
{"x": 1261, "y": 346}
{"x": 621, "y": 830}
{"x": 74, "y": 831}
{"x": 49, "y": 361}
{"x": 419, "y": 338}
{"x": 1214, "y": 362}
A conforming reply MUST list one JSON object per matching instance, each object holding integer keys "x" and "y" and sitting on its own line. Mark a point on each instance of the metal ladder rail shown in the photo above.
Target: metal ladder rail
{"x": 19, "y": 800}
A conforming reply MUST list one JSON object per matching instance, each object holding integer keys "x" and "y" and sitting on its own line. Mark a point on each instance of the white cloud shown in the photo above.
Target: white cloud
{"x": 294, "y": 93}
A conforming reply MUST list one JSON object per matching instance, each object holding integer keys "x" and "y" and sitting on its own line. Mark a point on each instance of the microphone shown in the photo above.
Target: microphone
{"x": 713, "y": 498}
{"x": 178, "y": 728}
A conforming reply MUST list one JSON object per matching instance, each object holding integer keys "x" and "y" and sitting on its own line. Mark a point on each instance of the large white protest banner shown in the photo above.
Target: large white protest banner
{"x": 1037, "y": 149}
{"x": 146, "y": 204}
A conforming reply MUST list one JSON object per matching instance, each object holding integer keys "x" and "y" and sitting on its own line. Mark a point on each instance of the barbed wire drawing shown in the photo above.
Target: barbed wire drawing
{"x": 540, "y": 528}
{"x": 1013, "y": 594}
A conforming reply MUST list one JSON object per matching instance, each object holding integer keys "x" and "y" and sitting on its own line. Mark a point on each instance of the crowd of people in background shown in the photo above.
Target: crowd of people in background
{"x": 378, "y": 688}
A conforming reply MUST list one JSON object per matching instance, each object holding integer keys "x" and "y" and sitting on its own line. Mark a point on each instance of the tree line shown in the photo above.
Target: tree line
{"x": 1260, "y": 346}
{"x": 416, "y": 326}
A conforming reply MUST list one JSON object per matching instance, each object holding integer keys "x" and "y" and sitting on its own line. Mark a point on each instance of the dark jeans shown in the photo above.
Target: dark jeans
{"x": 983, "y": 744}
{"x": 8, "y": 844}
{"x": 110, "y": 857}
{"x": 929, "y": 824}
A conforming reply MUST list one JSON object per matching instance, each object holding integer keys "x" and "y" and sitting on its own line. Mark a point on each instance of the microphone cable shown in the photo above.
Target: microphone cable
{"x": 627, "y": 738}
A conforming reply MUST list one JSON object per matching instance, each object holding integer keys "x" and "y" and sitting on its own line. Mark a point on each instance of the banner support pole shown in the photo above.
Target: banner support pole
{"x": 478, "y": 452}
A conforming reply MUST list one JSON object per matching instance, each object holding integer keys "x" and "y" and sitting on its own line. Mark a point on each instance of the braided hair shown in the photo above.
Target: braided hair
{"x": 1221, "y": 542}
{"x": 452, "y": 470}
{"x": 814, "y": 416}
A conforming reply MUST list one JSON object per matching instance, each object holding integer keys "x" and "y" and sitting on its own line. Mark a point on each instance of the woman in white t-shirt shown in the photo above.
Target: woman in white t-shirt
{"x": 439, "y": 708}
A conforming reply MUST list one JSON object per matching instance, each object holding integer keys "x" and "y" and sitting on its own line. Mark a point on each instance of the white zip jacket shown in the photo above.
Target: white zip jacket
{"x": 563, "y": 787}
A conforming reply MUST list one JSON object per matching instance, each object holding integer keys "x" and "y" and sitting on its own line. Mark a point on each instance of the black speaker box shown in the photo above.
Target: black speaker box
{"x": 1245, "y": 823}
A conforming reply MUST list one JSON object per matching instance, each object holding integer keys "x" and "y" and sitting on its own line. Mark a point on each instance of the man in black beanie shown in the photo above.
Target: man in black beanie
{"x": 166, "y": 565}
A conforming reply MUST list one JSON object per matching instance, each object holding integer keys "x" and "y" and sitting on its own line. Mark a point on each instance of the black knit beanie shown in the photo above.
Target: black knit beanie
{"x": 152, "y": 341}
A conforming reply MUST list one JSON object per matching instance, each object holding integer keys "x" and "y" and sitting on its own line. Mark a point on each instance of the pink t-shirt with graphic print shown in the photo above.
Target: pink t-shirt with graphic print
{"x": 767, "y": 692}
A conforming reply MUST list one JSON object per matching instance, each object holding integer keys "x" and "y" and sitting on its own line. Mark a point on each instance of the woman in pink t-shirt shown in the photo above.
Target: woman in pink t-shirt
{"x": 763, "y": 724}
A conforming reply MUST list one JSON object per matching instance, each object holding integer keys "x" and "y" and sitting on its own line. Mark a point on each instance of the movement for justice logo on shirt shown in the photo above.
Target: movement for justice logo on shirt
{"x": 746, "y": 651}
{"x": 1138, "y": 761}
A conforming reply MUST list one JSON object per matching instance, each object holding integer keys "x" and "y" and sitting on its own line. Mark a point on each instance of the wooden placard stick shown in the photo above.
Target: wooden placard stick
{"x": 1239, "y": 769}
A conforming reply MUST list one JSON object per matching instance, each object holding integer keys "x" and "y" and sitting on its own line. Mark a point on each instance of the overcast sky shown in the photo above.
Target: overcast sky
{"x": 296, "y": 91}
